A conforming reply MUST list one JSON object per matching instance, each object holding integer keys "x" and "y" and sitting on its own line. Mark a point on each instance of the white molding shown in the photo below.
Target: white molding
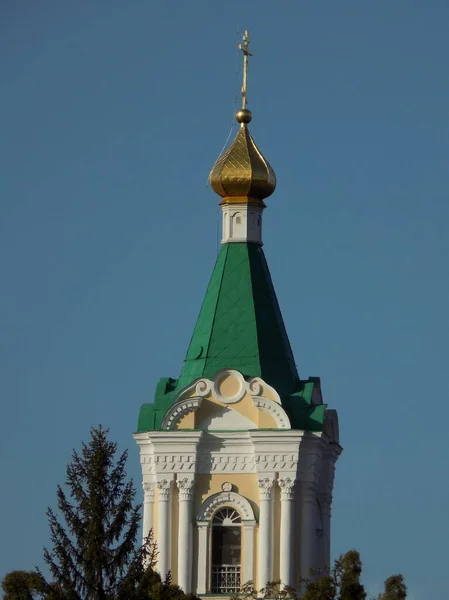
{"x": 253, "y": 451}
{"x": 210, "y": 505}
{"x": 217, "y": 380}
{"x": 275, "y": 409}
{"x": 178, "y": 410}
{"x": 203, "y": 387}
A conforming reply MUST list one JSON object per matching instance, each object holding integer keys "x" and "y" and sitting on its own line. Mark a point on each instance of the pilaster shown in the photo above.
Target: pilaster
{"x": 148, "y": 509}
{"x": 164, "y": 486}
{"x": 287, "y": 487}
{"x": 186, "y": 487}
{"x": 265, "y": 572}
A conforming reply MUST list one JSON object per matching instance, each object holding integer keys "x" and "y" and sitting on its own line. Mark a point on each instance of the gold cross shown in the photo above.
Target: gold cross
{"x": 245, "y": 49}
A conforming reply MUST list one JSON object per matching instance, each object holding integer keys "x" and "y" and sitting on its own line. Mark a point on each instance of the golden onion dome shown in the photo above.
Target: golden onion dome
{"x": 242, "y": 174}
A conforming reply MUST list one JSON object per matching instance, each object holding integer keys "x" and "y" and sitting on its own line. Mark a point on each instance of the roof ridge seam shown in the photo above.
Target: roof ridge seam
{"x": 216, "y": 305}
{"x": 252, "y": 293}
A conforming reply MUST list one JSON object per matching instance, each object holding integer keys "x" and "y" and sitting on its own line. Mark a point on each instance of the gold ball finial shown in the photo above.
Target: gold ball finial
{"x": 243, "y": 115}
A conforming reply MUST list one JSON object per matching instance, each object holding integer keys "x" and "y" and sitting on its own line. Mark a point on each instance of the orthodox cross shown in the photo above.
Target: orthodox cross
{"x": 245, "y": 49}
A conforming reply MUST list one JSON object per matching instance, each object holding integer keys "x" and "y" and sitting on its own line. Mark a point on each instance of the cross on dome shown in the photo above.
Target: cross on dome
{"x": 242, "y": 174}
{"x": 245, "y": 49}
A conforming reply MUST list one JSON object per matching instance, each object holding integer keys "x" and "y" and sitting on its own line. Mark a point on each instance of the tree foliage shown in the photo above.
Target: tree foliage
{"x": 395, "y": 588}
{"x": 343, "y": 582}
{"x": 23, "y": 585}
{"x": 95, "y": 552}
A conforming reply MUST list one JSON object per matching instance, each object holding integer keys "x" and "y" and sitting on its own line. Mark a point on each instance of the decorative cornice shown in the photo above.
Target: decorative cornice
{"x": 266, "y": 487}
{"x": 186, "y": 487}
{"x": 226, "y": 463}
{"x": 287, "y": 485}
{"x": 174, "y": 462}
{"x": 211, "y": 503}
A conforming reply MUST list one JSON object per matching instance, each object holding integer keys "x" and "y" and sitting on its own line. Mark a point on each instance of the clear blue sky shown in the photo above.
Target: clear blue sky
{"x": 112, "y": 114}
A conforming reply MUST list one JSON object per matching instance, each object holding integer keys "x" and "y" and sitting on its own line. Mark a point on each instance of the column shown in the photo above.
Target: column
{"x": 287, "y": 536}
{"x": 265, "y": 562}
{"x": 163, "y": 535}
{"x": 148, "y": 511}
{"x": 307, "y": 530}
{"x": 248, "y": 558}
{"x": 202, "y": 558}
{"x": 185, "y": 534}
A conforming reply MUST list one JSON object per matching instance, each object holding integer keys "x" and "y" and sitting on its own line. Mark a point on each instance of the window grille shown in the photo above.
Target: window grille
{"x": 226, "y": 551}
{"x": 225, "y": 579}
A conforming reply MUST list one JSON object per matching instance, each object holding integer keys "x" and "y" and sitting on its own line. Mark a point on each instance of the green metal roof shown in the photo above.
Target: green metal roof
{"x": 240, "y": 327}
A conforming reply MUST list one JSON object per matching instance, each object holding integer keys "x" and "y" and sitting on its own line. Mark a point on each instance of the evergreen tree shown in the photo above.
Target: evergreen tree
{"x": 95, "y": 554}
{"x": 395, "y": 588}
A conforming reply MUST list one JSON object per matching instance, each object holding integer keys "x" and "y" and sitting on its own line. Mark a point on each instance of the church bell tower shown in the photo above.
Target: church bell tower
{"x": 238, "y": 454}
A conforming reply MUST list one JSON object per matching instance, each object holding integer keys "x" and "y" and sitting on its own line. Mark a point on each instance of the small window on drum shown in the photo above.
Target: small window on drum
{"x": 226, "y": 551}
{"x": 238, "y": 220}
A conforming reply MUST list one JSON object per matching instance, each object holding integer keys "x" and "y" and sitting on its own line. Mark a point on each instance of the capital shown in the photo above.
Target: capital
{"x": 164, "y": 487}
{"x": 287, "y": 485}
{"x": 266, "y": 487}
{"x": 186, "y": 487}
{"x": 148, "y": 490}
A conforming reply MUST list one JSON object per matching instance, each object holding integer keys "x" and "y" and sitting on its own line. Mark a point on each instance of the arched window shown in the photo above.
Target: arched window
{"x": 237, "y": 225}
{"x": 226, "y": 551}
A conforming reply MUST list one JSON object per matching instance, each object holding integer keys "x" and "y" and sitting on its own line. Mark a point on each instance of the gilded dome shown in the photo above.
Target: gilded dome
{"x": 242, "y": 171}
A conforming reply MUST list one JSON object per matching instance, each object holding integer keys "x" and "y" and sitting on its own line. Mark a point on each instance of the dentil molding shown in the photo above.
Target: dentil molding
{"x": 211, "y": 504}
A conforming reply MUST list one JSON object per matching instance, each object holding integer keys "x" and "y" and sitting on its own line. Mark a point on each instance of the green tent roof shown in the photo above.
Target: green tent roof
{"x": 240, "y": 327}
